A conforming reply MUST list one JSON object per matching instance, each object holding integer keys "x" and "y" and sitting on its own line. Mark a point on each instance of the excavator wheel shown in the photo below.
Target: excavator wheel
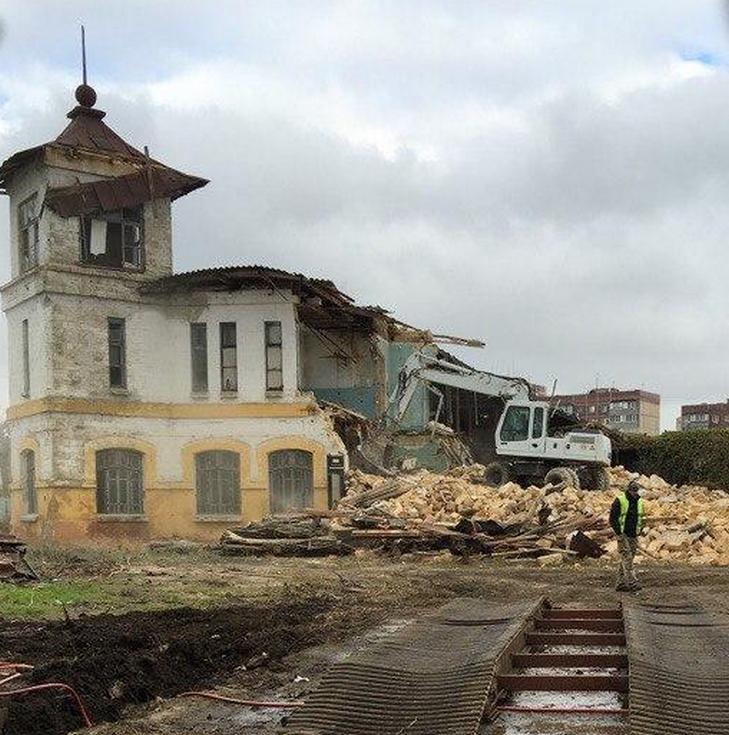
{"x": 599, "y": 478}
{"x": 497, "y": 474}
{"x": 562, "y": 474}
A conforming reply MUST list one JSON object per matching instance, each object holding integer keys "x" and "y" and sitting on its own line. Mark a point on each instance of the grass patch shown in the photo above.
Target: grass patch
{"x": 48, "y": 599}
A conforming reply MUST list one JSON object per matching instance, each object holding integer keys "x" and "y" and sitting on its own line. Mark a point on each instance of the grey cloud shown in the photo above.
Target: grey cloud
{"x": 584, "y": 238}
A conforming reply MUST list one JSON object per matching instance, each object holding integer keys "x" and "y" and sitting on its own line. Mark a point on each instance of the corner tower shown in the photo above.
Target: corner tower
{"x": 89, "y": 200}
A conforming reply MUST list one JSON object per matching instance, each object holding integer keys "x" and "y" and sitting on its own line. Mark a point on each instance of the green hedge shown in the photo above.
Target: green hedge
{"x": 681, "y": 457}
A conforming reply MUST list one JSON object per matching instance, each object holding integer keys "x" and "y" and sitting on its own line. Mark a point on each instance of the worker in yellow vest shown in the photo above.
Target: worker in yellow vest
{"x": 626, "y": 519}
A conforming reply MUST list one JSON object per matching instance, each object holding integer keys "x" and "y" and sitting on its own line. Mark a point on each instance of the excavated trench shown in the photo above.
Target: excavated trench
{"x": 117, "y": 661}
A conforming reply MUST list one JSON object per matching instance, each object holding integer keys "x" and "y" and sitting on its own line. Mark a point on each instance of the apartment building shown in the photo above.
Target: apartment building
{"x": 704, "y": 416}
{"x": 630, "y": 411}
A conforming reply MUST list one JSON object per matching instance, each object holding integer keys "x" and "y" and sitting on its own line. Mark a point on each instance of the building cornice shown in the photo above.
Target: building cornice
{"x": 143, "y": 409}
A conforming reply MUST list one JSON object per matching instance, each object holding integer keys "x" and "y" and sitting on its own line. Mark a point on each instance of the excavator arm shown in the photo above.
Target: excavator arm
{"x": 423, "y": 369}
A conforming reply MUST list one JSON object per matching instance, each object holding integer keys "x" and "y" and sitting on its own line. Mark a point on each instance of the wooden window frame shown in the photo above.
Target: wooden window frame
{"x": 217, "y": 483}
{"x": 199, "y": 357}
{"x": 283, "y": 466}
{"x": 30, "y": 497}
{"x": 109, "y": 461}
{"x": 119, "y": 323}
{"x": 224, "y": 345}
{"x": 129, "y": 217}
{"x": 273, "y": 385}
{"x": 25, "y": 339}
{"x": 28, "y": 260}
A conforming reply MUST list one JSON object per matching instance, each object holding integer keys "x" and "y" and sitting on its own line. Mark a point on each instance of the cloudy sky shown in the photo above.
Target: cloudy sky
{"x": 552, "y": 177}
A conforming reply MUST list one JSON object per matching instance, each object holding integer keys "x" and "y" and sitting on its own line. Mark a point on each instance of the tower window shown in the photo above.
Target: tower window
{"x": 113, "y": 239}
{"x": 28, "y": 233}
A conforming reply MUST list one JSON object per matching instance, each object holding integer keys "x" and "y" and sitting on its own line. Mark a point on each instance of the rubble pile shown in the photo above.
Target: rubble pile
{"x": 688, "y": 523}
{"x": 458, "y": 511}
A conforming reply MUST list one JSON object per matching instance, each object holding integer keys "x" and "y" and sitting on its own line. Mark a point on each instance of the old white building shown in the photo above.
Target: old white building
{"x": 146, "y": 404}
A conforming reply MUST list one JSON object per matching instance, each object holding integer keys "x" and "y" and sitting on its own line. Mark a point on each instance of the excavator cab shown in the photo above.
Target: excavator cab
{"x": 523, "y": 431}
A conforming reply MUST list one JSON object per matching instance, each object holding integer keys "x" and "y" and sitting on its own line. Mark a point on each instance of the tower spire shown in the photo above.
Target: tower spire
{"x": 83, "y": 53}
{"x": 85, "y": 95}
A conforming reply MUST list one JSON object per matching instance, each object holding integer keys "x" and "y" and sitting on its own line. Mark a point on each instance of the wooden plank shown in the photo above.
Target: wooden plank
{"x": 579, "y": 683}
{"x": 547, "y": 660}
{"x": 567, "y": 710}
{"x": 563, "y": 612}
{"x": 608, "y": 625}
{"x": 575, "y": 639}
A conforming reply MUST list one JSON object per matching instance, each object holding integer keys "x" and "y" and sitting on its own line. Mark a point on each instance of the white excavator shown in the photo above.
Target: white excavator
{"x": 529, "y": 446}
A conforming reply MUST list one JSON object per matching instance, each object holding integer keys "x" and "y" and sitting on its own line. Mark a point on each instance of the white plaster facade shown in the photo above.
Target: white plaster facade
{"x": 71, "y": 410}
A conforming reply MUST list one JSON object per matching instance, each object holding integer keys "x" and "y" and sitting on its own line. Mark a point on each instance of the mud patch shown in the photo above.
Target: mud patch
{"x": 114, "y": 661}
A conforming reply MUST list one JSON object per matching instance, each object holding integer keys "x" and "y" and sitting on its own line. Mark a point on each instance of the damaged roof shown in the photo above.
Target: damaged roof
{"x": 322, "y": 305}
{"x": 87, "y": 133}
{"x": 130, "y": 190}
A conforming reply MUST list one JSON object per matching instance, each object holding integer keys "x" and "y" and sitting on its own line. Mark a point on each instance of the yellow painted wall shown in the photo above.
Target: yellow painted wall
{"x": 68, "y": 514}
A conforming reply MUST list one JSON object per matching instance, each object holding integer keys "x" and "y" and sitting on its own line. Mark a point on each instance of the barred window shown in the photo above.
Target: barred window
{"x": 217, "y": 483}
{"x": 27, "y": 461}
{"x": 119, "y": 482}
{"x": 291, "y": 479}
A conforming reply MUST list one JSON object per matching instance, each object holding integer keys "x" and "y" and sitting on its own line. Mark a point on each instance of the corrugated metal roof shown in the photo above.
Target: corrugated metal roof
{"x": 88, "y": 133}
{"x": 107, "y": 195}
{"x": 322, "y": 306}
{"x": 86, "y": 130}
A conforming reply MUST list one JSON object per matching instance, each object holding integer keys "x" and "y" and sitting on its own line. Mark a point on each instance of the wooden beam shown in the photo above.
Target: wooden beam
{"x": 548, "y": 660}
{"x": 611, "y": 625}
{"x": 579, "y": 683}
{"x": 575, "y": 639}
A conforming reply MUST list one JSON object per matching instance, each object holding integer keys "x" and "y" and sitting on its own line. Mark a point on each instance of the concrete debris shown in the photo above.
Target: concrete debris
{"x": 458, "y": 512}
{"x": 688, "y": 523}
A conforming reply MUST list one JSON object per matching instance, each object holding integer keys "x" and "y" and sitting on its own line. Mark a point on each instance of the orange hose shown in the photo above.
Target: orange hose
{"x": 245, "y": 702}
{"x": 53, "y": 685}
{"x": 11, "y": 665}
{"x": 10, "y": 678}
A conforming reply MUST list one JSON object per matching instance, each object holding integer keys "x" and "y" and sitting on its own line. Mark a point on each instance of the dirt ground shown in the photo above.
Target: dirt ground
{"x": 153, "y": 625}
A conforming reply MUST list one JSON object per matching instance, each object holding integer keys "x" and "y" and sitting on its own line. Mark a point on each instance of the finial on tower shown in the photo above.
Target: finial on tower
{"x": 85, "y": 95}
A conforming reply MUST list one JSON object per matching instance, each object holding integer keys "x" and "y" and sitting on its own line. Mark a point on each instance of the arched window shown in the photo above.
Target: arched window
{"x": 27, "y": 461}
{"x": 119, "y": 482}
{"x": 217, "y": 483}
{"x": 291, "y": 479}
